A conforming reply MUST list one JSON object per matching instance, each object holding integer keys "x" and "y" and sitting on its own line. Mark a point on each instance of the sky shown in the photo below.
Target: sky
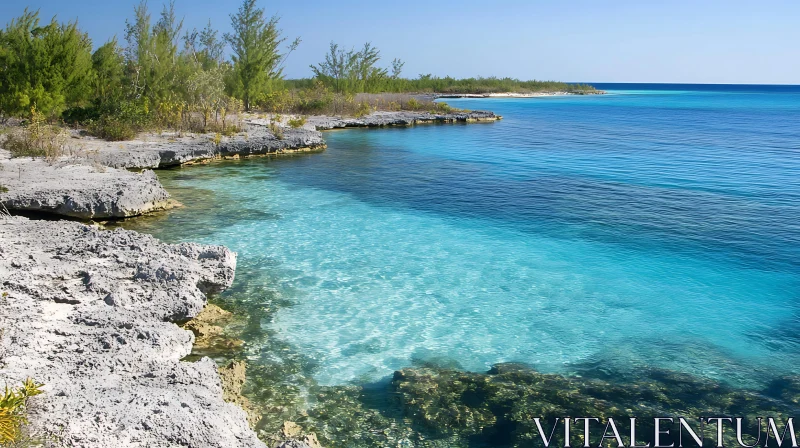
{"x": 677, "y": 41}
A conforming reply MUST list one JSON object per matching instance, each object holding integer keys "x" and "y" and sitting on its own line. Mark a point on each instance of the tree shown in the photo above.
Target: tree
{"x": 354, "y": 71}
{"x": 367, "y": 75}
{"x": 152, "y": 52}
{"x": 336, "y": 69}
{"x": 108, "y": 64}
{"x": 397, "y": 68}
{"x": 47, "y": 66}
{"x": 207, "y": 91}
{"x": 256, "y": 59}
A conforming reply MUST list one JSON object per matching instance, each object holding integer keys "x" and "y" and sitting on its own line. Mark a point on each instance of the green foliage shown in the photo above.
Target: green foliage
{"x": 448, "y": 85}
{"x": 363, "y": 110}
{"x": 48, "y": 66}
{"x": 154, "y": 84}
{"x": 424, "y": 83}
{"x": 152, "y": 53}
{"x": 107, "y": 62}
{"x": 119, "y": 118}
{"x": 278, "y": 100}
{"x": 298, "y": 122}
{"x": 443, "y": 108}
{"x": 314, "y": 100}
{"x": 13, "y": 410}
{"x": 256, "y": 59}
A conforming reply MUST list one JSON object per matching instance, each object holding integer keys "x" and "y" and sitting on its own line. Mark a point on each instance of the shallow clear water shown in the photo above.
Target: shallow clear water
{"x": 640, "y": 228}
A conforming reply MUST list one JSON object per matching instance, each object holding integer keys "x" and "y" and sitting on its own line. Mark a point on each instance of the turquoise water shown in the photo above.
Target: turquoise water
{"x": 601, "y": 233}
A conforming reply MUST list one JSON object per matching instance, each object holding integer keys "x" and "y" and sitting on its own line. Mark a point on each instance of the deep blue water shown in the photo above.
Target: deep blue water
{"x": 654, "y": 226}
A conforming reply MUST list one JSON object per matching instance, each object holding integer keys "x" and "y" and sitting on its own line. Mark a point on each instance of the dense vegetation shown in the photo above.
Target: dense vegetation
{"x": 449, "y": 85}
{"x": 165, "y": 76}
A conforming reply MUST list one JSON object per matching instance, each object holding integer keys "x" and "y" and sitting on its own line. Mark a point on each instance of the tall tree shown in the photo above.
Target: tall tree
{"x": 256, "y": 59}
{"x": 367, "y": 74}
{"x": 139, "y": 50}
{"x": 152, "y": 52}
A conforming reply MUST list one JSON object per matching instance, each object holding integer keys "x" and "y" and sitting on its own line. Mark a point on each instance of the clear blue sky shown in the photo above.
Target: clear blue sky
{"x": 713, "y": 41}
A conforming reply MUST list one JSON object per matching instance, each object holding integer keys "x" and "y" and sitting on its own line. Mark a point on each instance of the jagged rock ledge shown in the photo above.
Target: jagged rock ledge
{"x": 87, "y": 312}
{"x": 256, "y": 141}
{"x": 78, "y": 190}
{"x": 383, "y": 119}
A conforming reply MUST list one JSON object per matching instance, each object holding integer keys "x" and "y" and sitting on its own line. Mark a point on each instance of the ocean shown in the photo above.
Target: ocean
{"x": 657, "y": 226}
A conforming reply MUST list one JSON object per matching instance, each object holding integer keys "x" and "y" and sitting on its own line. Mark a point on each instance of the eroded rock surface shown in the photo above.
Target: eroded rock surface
{"x": 87, "y": 311}
{"x": 79, "y": 190}
{"x": 257, "y": 140}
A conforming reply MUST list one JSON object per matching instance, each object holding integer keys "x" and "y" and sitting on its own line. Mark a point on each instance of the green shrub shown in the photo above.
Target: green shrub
{"x": 298, "y": 122}
{"x": 79, "y": 115}
{"x": 47, "y": 65}
{"x": 14, "y": 412}
{"x": 443, "y": 108}
{"x": 111, "y": 128}
{"x": 363, "y": 110}
{"x": 120, "y": 119}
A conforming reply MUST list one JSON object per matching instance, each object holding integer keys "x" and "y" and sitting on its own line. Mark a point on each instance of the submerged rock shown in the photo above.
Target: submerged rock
{"x": 87, "y": 312}
{"x": 233, "y": 377}
{"x": 209, "y": 334}
{"x": 498, "y": 407}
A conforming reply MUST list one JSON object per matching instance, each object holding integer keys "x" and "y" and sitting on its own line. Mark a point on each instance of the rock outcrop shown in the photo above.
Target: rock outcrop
{"x": 79, "y": 190}
{"x": 402, "y": 118}
{"x": 257, "y": 141}
{"x": 87, "y": 312}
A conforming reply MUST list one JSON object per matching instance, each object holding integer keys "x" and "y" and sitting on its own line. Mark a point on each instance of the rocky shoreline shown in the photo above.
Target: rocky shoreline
{"x": 99, "y": 184}
{"x": 91, "y": 313}
{"x": 88, "y": 313}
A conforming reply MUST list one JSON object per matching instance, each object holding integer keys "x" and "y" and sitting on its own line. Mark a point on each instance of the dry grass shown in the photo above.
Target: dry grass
{"x": 37, "y": 138}
{"x": 397, "y": 101}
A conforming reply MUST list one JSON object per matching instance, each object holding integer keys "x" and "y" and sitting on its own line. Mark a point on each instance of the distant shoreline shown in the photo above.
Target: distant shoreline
{"x": 509, "y": 94}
